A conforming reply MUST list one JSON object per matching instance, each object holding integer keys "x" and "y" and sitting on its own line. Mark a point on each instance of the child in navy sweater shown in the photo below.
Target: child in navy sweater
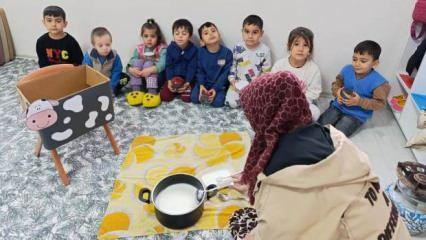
{"x": 214, "y": 63}
{"x": 181, "y": 63}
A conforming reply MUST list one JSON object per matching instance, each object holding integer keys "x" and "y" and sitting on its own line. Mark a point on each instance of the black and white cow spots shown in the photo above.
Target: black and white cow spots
{"x": 61, "y": 136}
{"x": 74, "y": 104}
{"x": 79, "y": 114}
{"x": 104, "y": 101}
{"x": 67, "y": 120}
{"x": 91, "y": 122}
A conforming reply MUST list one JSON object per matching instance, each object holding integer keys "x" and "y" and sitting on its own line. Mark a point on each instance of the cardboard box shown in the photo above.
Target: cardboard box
{"x": 84, "y": 95}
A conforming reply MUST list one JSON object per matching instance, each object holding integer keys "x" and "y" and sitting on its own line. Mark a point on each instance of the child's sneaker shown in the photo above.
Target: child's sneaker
{"x": 124, "y": 80}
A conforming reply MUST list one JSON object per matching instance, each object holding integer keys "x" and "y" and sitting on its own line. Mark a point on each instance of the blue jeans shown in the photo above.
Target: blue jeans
{"x": 345, "y": 123}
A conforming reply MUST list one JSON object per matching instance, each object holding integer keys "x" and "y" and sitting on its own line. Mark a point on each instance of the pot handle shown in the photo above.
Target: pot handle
{"x": 211, "y": 193}
{"x": 142, "y": 193}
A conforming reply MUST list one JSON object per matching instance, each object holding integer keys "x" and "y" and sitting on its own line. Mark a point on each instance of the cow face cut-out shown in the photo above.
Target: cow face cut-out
{"x": 40, "y": 114}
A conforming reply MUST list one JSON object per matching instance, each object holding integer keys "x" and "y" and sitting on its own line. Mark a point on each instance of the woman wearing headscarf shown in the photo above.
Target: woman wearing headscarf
{"x": 304, "y": 180}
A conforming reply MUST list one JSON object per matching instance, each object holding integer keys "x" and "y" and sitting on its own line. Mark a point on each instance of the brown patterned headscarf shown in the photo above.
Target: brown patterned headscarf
{"x": 274, "y": 104}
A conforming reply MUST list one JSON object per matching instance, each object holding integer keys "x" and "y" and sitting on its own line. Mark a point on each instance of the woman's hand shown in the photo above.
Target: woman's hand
{"x": 249, "y": 236}
{"x": 238, "y": 184}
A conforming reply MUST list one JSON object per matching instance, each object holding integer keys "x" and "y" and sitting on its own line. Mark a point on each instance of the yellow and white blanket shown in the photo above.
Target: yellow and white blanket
{"x": 150, "y": 159}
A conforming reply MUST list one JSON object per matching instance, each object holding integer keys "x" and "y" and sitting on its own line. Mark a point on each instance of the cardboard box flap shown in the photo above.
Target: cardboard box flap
{"x": 94, "y": 77}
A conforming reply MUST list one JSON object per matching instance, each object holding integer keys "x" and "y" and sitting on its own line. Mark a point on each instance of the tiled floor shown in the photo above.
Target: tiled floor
{"x": 35, "y": 205}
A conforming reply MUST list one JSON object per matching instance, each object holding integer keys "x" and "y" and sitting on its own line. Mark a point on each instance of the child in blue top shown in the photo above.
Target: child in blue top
{"x": 214, "y": 63}
{"x": 359, "y": 90}
{"x": 106, "y": 60}
{"x": 181, "y": 63}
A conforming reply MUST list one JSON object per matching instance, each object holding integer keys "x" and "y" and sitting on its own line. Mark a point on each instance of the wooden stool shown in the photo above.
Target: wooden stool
{"x": 58, "y": 164}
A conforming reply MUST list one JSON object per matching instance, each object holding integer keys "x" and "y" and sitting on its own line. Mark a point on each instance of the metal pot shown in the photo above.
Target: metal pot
{"x": 186, "y": 218}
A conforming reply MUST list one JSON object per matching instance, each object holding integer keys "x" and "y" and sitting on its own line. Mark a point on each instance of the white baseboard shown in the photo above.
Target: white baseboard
{"x": 27, "y": 56}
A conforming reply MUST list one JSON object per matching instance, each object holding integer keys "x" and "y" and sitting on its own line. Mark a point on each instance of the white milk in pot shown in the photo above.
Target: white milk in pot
{"x": 177, "y": 199}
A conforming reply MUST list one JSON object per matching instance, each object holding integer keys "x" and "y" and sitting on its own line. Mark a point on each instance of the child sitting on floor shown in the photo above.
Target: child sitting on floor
{"x": 106, "y": 60}
{"x": 300, "y": 46}
{"x": 181, "y": 63}
{"x": 147, "y": 64}
{"x": 57, "y": 46}
{"x": 250, "y": 59}
{"x": 214, "y": 63}
{"x": 359, "y": 90}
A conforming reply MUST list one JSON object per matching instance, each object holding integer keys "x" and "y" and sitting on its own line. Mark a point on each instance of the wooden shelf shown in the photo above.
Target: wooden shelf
{"x": 407, "y": 118}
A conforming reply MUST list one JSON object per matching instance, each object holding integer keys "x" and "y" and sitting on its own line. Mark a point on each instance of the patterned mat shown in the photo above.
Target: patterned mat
{"x": 150, "y": 159}
{"x": 34, "y": 204}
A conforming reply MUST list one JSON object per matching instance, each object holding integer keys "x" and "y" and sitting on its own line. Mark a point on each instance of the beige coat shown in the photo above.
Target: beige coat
{"x": 337, "y": 198}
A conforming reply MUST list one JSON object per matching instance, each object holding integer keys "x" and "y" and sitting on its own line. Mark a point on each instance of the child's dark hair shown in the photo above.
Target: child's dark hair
{"x": 304, "y": 33}
{"x": 152, "y": 25}
{"x": 183, "y": 23}
{"x": 370, "y": 47}
{"x": 54, "y": 11}
{"x": 253, "y": 20}
{"x": 99, "y": 32}
{"x": 205, "y": 25}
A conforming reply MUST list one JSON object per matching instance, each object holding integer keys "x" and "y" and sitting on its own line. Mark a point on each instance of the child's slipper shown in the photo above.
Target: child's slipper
{"x": 135, "y": 98}
{"x": 151, "y": 100}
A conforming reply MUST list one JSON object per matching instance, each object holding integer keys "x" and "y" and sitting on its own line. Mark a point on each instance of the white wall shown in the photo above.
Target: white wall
{"x": 337, "y": 24}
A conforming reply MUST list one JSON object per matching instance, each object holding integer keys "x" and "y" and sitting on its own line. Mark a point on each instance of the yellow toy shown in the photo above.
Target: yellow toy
{"x": 151, "y": 100}
{"x": 135, "y": 98}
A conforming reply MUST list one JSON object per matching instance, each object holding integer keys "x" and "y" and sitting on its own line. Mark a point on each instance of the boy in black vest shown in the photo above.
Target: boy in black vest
{"x": 106, "y": 60}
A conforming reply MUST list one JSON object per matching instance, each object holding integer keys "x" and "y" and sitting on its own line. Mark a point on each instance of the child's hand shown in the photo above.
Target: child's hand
{"x": 146, "y": 72}
{"x": 202, "y": 90}
{"x": 352, "y": 101}
{"x": 212, "y": 94}
{"x": 183, "y": 88}
{"x": 233, "y": 85}
{"x": 169, "y": 86}
{"x": 339, "y": 97}
{"x": 134, "y": 71}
